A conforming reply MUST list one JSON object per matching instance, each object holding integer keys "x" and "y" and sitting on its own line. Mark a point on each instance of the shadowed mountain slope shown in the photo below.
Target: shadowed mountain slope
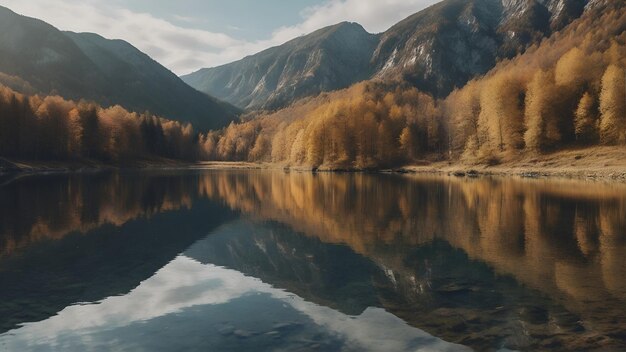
{"x": 86, "y": 66}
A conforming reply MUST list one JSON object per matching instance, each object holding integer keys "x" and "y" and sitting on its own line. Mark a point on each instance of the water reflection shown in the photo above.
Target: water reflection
{"x": 215, "y": 307}
{"x": 336, "y": 261}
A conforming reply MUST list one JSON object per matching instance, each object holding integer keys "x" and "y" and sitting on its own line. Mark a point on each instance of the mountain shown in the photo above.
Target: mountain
{"x": 436, "y": 49}
{"x": 451, "y": 42}
{"x": 42, "y": 59}
{"x": 143, "y": 84}
{"x": 331, "y": 58}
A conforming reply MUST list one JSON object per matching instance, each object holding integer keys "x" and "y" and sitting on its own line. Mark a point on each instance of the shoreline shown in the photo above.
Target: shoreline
{"x": 21, "y": 167}
{"x": 483, "y": 171}
{"x": 593, "y": 163}
{"x": 597, "y": 163}
{"x": 435, "y": 169}
{"x": 443, "y": 169}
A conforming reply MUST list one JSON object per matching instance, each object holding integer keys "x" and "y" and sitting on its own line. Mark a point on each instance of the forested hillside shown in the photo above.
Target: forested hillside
{"x": 52, "y": 128}
{"x": 569, "y": 91}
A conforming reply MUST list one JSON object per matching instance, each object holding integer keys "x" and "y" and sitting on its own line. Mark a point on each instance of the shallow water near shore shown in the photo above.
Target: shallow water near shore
{"x": 262, "y": 260}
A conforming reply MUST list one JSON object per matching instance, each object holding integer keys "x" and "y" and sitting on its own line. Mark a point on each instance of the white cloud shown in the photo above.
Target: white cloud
{"x": 374, "y": 15}
{"x": 186, "y": 19}
{"x": 184, "y": 50}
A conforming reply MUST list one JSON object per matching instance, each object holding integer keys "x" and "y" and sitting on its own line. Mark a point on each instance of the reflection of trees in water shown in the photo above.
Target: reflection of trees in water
{"x": 564, "y": 238}
{"x": 112, "y": 255}
{"x": 51, "y": 207}
{"x": 532, "y": 230}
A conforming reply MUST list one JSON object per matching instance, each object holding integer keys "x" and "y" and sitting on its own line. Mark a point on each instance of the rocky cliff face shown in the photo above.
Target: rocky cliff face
{"x": 453, "y": 41}
{"x": 35, "y": 57}
{"x": 328, "y": 59}
{"x": 436, "y": 49}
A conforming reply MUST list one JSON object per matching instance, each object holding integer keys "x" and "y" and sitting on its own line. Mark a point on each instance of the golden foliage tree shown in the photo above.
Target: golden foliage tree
{"x": 542, "y": 129}
{"x": 54, "y": 128}
{"x": 501, "y": 118}
{"x": 586, "y": 120}
{"x": 408, "y": 142}
{"x": 613, "y": 106}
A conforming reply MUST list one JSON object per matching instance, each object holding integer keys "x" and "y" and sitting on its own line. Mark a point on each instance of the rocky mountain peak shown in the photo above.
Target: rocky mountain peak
{"x": 436, "y": 50}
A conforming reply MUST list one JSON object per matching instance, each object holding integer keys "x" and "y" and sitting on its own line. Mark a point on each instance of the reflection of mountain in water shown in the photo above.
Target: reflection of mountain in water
{"x": 106, "y": 261}
{"x": 187, "y": 305}
{"x": 439, "y": 289}
{"x": 327, "y": 274}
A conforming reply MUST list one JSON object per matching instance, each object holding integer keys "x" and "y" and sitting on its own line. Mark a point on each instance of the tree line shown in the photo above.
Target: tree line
{"x": 569, "y": 91}
{"x": 52, "y": 128}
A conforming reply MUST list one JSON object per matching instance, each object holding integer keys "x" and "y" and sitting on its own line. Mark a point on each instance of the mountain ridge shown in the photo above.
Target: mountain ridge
{"x": 109, "y": 72}
{"x": 283, "y": 73}
{"x": 436, "y": 49}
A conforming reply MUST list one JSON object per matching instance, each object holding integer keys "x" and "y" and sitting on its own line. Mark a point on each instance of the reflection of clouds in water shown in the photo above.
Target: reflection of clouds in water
{"x": 185, "y": 283}
{"x": 376, "y": 329}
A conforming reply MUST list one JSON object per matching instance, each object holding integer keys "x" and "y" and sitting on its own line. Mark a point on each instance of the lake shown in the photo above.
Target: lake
{"x": 275, "y": 261}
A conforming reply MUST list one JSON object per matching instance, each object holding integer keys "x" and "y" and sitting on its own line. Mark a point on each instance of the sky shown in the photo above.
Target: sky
{"x": 186, "y": 35}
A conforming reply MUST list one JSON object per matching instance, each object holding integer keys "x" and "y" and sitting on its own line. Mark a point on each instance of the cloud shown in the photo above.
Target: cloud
{"x": 186, "y": 19}
{"x": 184, "y": 50}
{"x": 171, "y": 45}
{"x": 374, "y": 15}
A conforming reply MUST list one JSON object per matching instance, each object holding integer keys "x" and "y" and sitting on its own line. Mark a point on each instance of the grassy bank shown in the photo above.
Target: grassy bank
{"x": 589, "y": 163}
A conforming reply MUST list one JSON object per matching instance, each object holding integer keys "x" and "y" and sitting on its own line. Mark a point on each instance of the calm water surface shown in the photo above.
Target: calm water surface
{"x": 272, "y": 261}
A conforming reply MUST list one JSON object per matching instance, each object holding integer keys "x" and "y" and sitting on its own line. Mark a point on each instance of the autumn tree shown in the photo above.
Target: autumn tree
{"x": 27, "y": 134}
{"x": 501, "y": 122}
{"x": 260, "y": 149}
{"x": 316, "y": 143}
{"x": 75, "y": 134}
{"x": 10, "y": 123}
{"x": 53, "y": 127}
{"x": 462, "y": 109}
{"x": 278, "y": 145}
{"x": 613, "y": 106}
{"x": 90, "y": 129}
{"x": 586, "y": 119}
{"x": 408, "y": 142}
{"x": 576, "y": 69}
{"x": 542, "y": 129}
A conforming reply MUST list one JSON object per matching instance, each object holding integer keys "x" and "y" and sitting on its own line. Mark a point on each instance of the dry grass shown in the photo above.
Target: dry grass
{"x": 592, "y": 162}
